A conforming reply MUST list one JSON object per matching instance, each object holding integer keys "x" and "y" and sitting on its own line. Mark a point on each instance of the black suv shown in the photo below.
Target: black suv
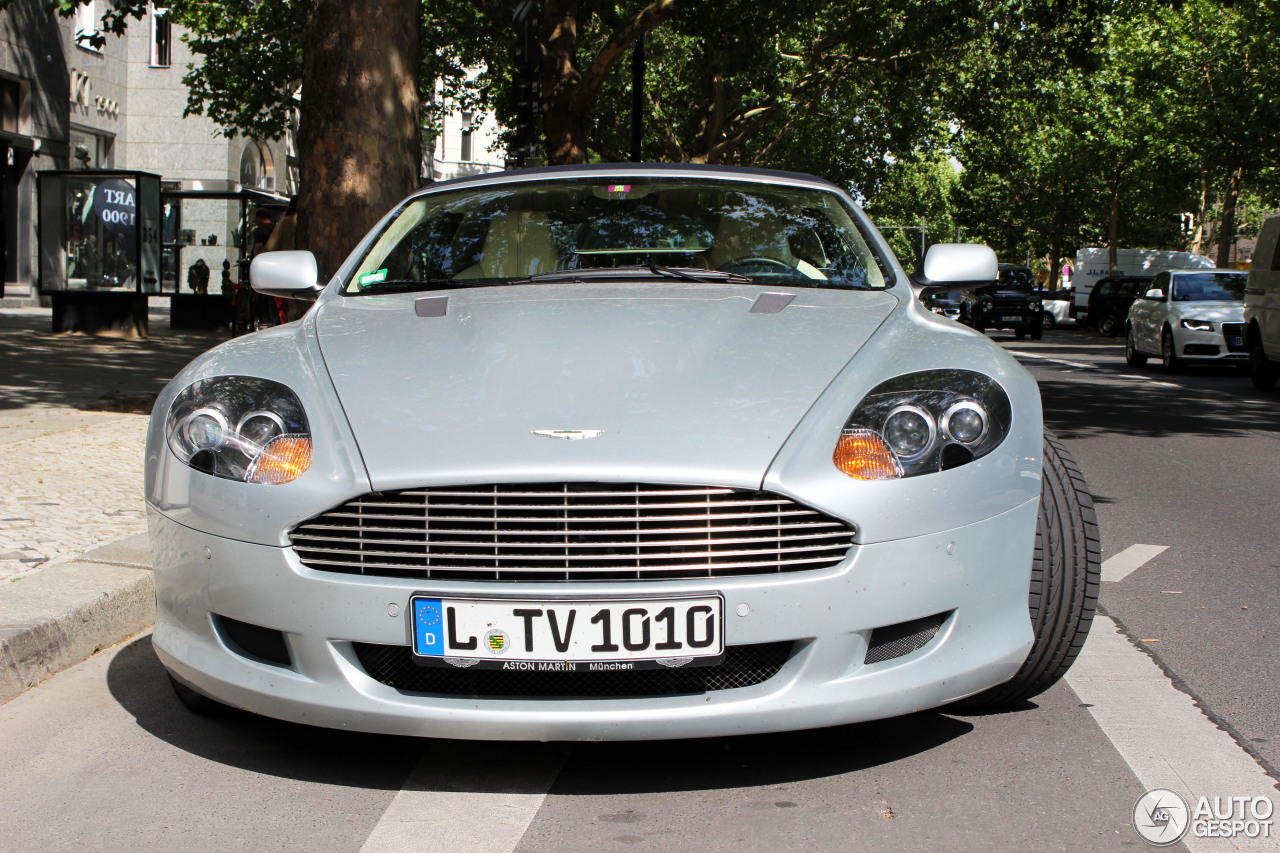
{"x": 1007, "y": 304}
{"x": 1110, "y": 299}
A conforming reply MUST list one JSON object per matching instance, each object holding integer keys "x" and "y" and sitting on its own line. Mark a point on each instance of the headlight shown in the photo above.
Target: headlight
{"x": 1039, "y": 306}
{"x": 1197, "y": 325}
{"x": 921, "y": 423}
{"x": 241, "y": 428}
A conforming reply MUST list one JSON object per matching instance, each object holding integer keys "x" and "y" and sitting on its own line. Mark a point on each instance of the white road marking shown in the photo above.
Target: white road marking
{"x": 466, "y": 797}
{"x": 1119, "y": 567}
{"x": 1166, "y": 740}
{"x": 1082, "y": 366}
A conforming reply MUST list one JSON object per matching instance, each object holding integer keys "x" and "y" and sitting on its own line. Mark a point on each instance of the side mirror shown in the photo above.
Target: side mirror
{"x": 1154, "y": 293}
{"x": 956, "y": 266}
{"x": 291, "y": 275}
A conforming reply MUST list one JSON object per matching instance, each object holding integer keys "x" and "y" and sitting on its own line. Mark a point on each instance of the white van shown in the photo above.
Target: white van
{"x": 1262, "y": 307}
{"x": 1094, "y": 264}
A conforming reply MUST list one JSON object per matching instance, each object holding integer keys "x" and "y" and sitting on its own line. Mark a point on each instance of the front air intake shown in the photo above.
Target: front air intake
{"x": 894, "y": 641}
{"x": 743, "y": 666}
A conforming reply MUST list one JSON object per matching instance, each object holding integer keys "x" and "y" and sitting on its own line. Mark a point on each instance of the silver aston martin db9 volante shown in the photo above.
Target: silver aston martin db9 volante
{"x": 621, "y": 452}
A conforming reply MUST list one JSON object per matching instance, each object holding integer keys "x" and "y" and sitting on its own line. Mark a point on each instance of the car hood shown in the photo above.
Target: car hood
{"x": 1225, "y": 310}
{"x": 684, "y": 382}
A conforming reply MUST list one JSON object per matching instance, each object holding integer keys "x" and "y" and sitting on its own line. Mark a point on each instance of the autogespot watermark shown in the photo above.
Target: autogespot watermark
{"x": 1162, "y": 817}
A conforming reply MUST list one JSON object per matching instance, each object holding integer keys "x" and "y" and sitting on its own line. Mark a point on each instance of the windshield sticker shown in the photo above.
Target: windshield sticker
{"x": 619, "y": 188}
{"x": 373, "y": 277}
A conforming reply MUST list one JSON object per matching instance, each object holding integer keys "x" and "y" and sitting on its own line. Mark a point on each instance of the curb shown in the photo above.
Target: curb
{"x": 61, "y": 616}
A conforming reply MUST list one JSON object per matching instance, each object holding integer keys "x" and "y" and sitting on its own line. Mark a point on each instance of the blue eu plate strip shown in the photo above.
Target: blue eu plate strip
{"x": 428, "y": 626}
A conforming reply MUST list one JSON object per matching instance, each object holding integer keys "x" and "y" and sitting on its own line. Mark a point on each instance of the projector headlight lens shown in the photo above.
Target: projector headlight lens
{"x": 270, "y": 441}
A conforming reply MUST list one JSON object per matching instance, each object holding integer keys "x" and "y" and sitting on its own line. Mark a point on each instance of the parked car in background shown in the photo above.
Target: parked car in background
{"x": 944, "y": 304}
{"x": 1110, "y": 300}
{"x": 614, "y": 453}
{"x": 1009, "y": 303}
{"x": 1093, "y": 265}
{"x": 1188, "y": 316}
{"x": 1055, "y": 308}
{"x": 1262, "y": 307}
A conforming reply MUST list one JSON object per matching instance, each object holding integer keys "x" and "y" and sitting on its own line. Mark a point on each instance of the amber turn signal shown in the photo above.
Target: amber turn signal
{"x": 283, "y": 460}
{"x": 863, "y": 455}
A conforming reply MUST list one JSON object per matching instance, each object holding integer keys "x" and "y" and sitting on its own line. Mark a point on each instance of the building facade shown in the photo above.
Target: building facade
{"x": 69, "y": 105}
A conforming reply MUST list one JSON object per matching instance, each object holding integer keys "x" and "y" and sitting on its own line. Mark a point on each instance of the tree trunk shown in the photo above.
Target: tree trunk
{"x": 358, "y": 138}
{"x": 561, "y": 80}
{"x": 1227, "y": 236}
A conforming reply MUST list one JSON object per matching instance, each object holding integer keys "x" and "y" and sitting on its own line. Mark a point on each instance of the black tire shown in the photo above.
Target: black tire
{"x": 1168, "y": 353}
{"x": 979, "y": 328}
{"x": 1132, "y": 356}
{"x": 1047, "y": 321}
{"x": 1109, "y": 325}
{"x": 1066, "y": 575}
{"x": 197, "y": 703}
{"x": 1263, "y": 372}
{"x": 1037, "y": 332}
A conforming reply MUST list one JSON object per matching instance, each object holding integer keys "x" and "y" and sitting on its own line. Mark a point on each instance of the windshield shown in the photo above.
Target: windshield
{"x": 769, "y": 234}
{"x": 1209, "y": 286}
{"x": 1017, "y": 279}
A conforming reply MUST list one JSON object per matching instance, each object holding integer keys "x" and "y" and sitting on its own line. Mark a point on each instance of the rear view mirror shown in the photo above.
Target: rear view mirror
{"x": 1154, "y": 293}
{"x": 956, "y": 266}
{"x": 291, "y": 275}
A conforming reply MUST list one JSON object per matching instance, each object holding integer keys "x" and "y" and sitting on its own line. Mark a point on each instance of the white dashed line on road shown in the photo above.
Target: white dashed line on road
{"x": 1079, "y": 365}
{"x": 1119, "y": 567}
{"x": 458, "y": 801}
{"x": 1164, "y": 738}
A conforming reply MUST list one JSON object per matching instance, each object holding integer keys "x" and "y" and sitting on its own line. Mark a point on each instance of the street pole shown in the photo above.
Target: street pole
{"x": 637, "y": 98}
{"x": 525, "y": 94}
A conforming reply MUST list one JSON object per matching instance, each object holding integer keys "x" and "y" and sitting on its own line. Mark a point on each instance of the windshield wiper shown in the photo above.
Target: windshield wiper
{"x": 606, "y": 273}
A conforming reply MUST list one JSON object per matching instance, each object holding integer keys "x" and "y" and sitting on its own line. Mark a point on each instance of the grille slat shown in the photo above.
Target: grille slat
{"x": 833, "y": 526}
{"x": 555, "y": 520}
{"x": 607, "y": 543}
{"x": 564, "y": 532}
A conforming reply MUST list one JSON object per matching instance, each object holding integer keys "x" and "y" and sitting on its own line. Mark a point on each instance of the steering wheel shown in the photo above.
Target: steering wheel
{"x": 755, "y": 264}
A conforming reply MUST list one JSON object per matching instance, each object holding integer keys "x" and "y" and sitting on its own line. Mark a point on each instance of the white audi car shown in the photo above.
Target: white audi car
{"x": 1189, "y": 316}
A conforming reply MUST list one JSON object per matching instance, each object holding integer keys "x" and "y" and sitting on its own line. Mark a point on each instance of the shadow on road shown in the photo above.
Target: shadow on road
{"x": 90, "y": 372}
{"x": 271, "y": 747}
{"x": 249, "y": 742}
{"x": 1076, "y": 409}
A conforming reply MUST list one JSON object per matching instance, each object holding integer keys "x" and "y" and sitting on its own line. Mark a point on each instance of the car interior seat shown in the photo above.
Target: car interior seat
{"x": 519, "y": 243}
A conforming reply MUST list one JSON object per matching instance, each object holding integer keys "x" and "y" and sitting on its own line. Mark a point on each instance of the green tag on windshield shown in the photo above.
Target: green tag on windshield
{"x": 373, "y": 277}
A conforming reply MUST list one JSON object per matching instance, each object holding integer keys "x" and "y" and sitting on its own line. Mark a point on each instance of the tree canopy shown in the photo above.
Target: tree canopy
{"x": 1033, "y": 125}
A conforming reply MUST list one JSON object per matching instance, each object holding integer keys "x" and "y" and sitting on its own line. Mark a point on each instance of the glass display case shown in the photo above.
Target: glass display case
{"x": 99, "y": 231}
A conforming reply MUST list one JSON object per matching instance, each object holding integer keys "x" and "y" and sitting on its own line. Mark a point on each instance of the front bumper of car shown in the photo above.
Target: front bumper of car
{"x": 1210, "y": 346}
{"x": 976, "y": 576}
{"x": 998, "y": 317}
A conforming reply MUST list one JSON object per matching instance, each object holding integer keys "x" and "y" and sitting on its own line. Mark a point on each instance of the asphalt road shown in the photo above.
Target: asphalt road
{"x": 1190, "y": 461}
{"x": 103, "y": 757}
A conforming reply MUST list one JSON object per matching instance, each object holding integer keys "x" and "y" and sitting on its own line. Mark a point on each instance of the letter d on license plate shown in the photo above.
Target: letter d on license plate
{"x": 574, "y": 635}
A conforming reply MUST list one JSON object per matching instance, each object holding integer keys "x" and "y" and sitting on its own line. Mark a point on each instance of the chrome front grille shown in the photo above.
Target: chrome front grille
{"x": 568, "y": 532}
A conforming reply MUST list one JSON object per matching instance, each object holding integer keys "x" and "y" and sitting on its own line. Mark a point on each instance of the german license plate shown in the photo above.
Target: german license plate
{"x": 1236, "y": 341}
{"x": 581, "y": 635}
{"x": 1010, "y": 319}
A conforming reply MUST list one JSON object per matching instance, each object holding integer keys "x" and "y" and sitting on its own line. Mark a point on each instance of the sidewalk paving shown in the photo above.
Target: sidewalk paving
{"x": 74, "y": 560}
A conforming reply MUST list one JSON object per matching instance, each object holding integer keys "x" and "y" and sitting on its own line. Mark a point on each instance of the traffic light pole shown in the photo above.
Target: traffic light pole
{"x": 526, "y": 96}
